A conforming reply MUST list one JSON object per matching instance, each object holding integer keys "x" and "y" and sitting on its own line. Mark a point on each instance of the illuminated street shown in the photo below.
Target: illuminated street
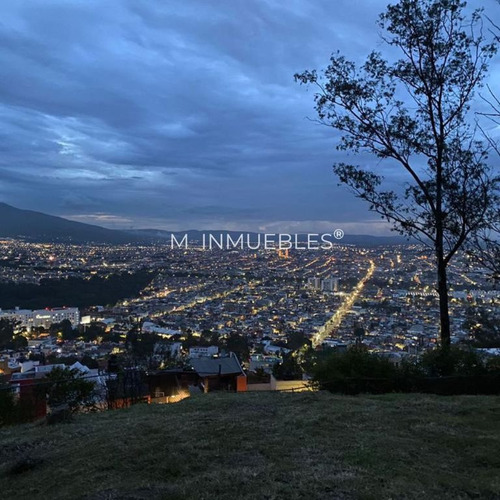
{"x": 335, "y": 321}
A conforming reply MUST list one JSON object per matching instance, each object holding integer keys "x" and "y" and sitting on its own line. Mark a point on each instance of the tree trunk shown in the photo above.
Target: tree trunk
{"x": 444, "y": 315}
{"x": 442, "y": 282}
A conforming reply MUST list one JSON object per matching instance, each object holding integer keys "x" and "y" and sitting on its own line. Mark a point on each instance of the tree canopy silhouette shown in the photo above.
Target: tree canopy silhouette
{"x": 413, "y": 113}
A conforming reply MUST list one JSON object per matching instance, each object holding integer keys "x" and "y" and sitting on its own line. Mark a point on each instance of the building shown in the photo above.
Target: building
{"x": 149, "y": 327}
{"x": 261, "y": 361}
{"x": 326, "y": 285}
{"x": 330, "y": 285}
{"x": 314, "y": 283}
{"x": 42, "y": 317}
{"x": 220, "y": 373}
{"x": 200, "y": 352}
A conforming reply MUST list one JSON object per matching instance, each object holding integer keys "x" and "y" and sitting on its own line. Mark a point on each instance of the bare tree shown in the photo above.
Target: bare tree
{"x": 414, "y": 114}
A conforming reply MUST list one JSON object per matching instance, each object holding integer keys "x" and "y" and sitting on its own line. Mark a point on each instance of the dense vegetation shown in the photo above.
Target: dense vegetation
{"x": 76, "y": 292}
{"x": 451, "y": 370}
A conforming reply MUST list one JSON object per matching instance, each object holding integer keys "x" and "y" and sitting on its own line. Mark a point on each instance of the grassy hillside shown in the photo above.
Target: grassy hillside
{"x": 263, "y": 446}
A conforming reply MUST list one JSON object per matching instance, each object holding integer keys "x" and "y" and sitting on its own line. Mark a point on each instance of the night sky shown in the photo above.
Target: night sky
{"x": 179, "y": 114}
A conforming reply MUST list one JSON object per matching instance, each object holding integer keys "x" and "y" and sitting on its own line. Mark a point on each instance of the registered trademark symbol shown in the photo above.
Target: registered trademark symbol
{"x": 338, "y": 234}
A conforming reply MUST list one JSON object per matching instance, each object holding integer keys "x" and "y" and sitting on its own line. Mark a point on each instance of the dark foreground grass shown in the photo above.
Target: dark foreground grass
{"x": 263, "y": 446}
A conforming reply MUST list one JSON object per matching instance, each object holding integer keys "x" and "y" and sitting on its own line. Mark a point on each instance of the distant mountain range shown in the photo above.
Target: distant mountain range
{"x": 15, "y": 223}
{"x": 37, "y": 226}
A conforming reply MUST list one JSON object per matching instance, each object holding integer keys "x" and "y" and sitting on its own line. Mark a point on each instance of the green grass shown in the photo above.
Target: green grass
{"x": 263, "y": 446}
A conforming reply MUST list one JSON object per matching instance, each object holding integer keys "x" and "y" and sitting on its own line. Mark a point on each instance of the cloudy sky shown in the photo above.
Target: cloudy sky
{"x": 177, "y": 114}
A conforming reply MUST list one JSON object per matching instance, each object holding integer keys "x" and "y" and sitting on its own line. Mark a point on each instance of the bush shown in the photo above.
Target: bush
{"x": 442, "y": 371}
{"x": 493, "y": 364}
{"x": 355, "y": 371}
{"x": 13, "y": 410}
{"x": 452, "y": 361}
{"x": 7, "y": 405}
{"x": 454, "y": 385}
{"x": 288, "y": 369}
{"x": 66, "y": 388}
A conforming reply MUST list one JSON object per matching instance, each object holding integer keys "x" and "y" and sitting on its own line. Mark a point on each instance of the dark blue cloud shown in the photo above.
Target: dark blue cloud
{"x": 175, "y": 114}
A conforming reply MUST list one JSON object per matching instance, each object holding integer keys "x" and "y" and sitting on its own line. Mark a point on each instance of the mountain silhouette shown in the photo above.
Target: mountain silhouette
{"x": 37, "y": 226}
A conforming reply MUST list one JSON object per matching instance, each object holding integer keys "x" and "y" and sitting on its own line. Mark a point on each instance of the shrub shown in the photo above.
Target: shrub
{"x": 7, "y": 405}
{"x": 14, "y": 410}
{"x": 493, "y": 364}
{"x": 288, "y": 369}
{"x": 442, "y": 371}
{"x": 452, "y": 361}
{"x": 66, "y": 388}
{"x": 355, "y": 371}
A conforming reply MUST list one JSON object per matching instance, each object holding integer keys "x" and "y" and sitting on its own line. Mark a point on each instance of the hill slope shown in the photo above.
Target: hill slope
{"x": 15, "y": 222}
{"x": 267, "y": 445}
